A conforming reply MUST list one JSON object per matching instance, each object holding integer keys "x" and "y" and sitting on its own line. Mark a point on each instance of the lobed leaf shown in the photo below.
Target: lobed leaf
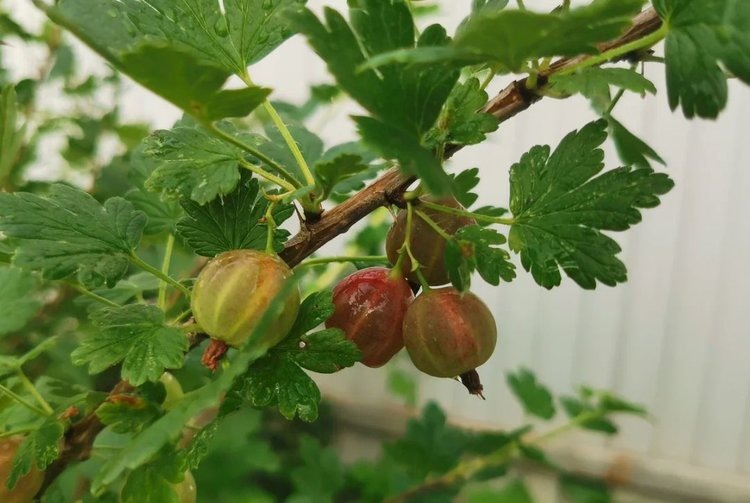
{"x": 135, "y": 335}
{"x": 67, "y": 231}
{"x": 560, "y": 207}
{"x": 232, "y": 222}
{"x": 535, "y": 398}
{"x": 19, "y": 299}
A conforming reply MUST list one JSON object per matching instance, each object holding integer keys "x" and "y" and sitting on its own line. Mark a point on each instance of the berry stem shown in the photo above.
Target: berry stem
{"x": 21, "y": 401}
{"x": 374, "y": 259}
{"x": 139, "y": 262}
{"x": 166, "y": 262}
{"x": 466, "y": 213}
{"x": 441, "y": 232}
{"x": 34, "y": 392}
{"x": 98, "y": 298}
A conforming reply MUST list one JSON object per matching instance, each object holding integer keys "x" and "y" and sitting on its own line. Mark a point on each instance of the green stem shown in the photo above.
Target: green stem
{"x": 521, "y": 4}
{"x": 616, "y": 52}
{"x": 614, "y": 102}
{"x": 488, "y": 78}
{"x": 93, "y": 296}
{"x": 406, "y": 250}
{"x": 465, "y": 213}
{"x": 162, "y": 302}
{"x": 139, "y": 262}
{"x": 288, "y": 186}
{"x": 271, "y": 224}
{"x": 34, "y": 392}
{"x": 219, "y": 133}
{"x": 13, "y": 396}
{"x": 285, "y": 133}
{"x": 374, "y": 259}
{"x": 181, "y": 316}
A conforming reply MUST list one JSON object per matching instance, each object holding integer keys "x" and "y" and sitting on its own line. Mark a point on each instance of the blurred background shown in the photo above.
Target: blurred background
{"x": 675, "y": 337}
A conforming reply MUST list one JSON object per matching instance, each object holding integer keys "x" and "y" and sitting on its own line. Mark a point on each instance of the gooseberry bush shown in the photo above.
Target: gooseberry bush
{"x": 163, "y": 303}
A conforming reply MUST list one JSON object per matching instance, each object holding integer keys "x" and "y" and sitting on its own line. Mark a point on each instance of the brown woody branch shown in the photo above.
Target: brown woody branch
{"x": 387, "y": 189}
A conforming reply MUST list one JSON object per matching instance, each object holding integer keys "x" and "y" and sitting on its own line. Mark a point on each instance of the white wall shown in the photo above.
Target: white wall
{"x": 674, "y": 338}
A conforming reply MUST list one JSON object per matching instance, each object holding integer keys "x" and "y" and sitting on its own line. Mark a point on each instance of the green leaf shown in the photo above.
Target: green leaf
{"x": 136, "y": 336}
{"x": 326, "y": 351}
{"x": 155, "y": 482}
{"x": 560, "y": 208}
{"x": 403, "y": 384}
{"x": 310, "y": 145}
{"x": 404, "y": 100}
{"x": 612, "y": 403}
{"x": 395, "y": 142}
{"x": 475, "y": 248}
{"x": 337, "y": 168}
{"x": 632, "y": 150}
{"x": 594, "y": 84}
{"x": 19, "y": 299}
{"x": 463, "y": 183}
{"x": 67, "y": 232}
{"x": 277, "y": 381}
{"x": 314, "y": 310}
{"x": 190, "y": 163}
{"x": 183, "y": 51}
{"x": 11, "y": 137}
{"x": 575, "y": 407}
{"x": 320, "y": 476}
{"x": 580, "y": 489}
{"x": 702, "y": 34}
{"x": 462, "y": 121}
{"x": 145, "y": 445}
{"x": 535, "y": 397}
{"x": 411, "y": 96}
{"x": 430, "y": 445}
{"x": 514, "y": 492}
{"x": 511, "y": 37}
{"x": 128, "y": 414}
{"x": 232, "y": 222}
{"x": 40, "y": 448}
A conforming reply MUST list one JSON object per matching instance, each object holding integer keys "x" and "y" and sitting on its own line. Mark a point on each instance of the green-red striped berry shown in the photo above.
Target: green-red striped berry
{"x": 233, "y": 292}
{"x": 369, "y": 306}
{"x": 448, "y": 333}
{"x": 427, "y": 246}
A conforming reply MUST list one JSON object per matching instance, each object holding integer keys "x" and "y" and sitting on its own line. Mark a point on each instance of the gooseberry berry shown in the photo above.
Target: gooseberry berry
{"x": 427, "y": 246}
{"x": 235, "y": 289}
{"x": 369, "y": 306}
{"x": 448, "y": 333}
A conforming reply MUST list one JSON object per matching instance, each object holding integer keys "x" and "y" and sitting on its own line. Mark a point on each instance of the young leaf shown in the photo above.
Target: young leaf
{"x": 314, "y": 310}
{"x": 511, "y": 36}
{"x": 462, "y": 121}
{"x": 191, "y": 163}
{"x": 475, "y": 248}
{"x": 40, "y": 448}
{"x": 67, "y": 232}
{"x": 632, "y": 150}
{"x": 136, "y": 336}
{"x": 535, "y": 397}
{"x": 560, "y": 208}
{"x": 18, "y": 299}
{"x": 701, "y": 35}
{"x": 232, "y": 222}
